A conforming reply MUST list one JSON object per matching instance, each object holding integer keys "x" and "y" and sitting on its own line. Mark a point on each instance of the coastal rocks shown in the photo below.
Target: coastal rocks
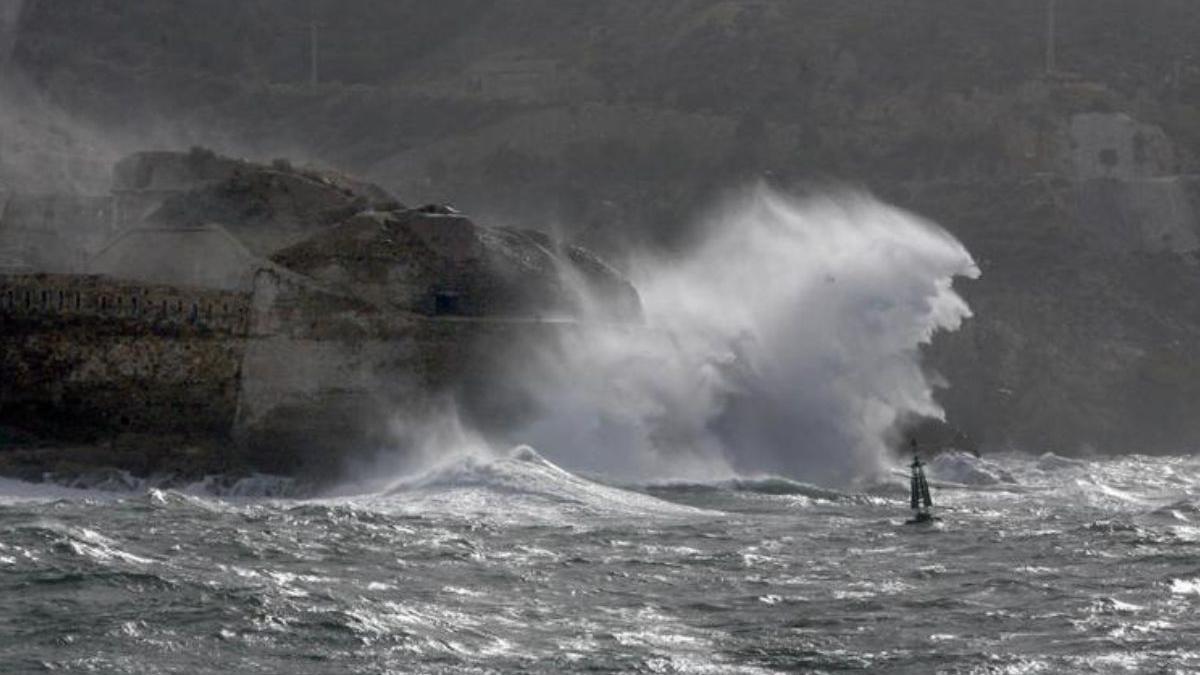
{"x": 443, "y": 264}
{"x": 190, "y": 355}
{"x": 267, "y": 207}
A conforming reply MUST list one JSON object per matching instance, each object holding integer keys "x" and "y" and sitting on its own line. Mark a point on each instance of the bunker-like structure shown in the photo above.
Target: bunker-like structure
{"x": 294, "y": 360}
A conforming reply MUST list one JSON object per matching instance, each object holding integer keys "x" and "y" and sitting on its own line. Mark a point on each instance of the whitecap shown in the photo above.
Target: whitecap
{"x": 518, "y": 487}
{"x": 966, "y": 469}
{"x": 1185, "y": 586}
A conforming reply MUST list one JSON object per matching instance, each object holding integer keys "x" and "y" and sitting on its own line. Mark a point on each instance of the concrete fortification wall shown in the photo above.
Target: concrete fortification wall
{"x": 87, "y": 357}
{"x": 172, "y": 323}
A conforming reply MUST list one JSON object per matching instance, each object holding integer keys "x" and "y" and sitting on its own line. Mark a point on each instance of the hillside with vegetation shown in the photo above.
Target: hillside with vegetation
{"x": 617, "y": 122}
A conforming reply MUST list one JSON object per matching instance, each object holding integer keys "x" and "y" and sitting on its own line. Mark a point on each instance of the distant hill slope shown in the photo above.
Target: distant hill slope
{"x": 618, "y": 121}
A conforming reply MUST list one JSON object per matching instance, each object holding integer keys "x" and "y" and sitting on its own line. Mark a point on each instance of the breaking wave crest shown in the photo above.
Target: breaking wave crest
{"x": 518, "y": 486}
{"x": 784, "y": 343}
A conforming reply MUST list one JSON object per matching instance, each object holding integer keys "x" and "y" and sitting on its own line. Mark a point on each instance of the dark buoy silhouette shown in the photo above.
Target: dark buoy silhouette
{"x": 921, "y": 500}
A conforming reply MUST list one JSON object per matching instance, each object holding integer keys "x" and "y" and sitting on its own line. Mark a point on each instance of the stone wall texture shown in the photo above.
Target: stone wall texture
{"x": 84, "y": 358}
{"x": 297, "y": 378}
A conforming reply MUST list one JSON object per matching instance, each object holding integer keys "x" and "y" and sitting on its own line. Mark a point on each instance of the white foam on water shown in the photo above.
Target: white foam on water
{"x": 966, "y": 469}
{"x": 519, "y": 487}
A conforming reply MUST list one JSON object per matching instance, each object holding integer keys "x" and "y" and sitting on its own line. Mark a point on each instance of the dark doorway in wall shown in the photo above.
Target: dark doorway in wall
{"x": 445, "y": 302}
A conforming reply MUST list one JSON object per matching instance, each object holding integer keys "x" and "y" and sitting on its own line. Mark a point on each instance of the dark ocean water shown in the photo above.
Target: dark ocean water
{"x": 1041, "y": 564}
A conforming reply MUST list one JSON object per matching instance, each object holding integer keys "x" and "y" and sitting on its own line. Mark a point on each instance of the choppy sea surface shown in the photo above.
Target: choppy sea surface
{"x": 1041, "y": 564}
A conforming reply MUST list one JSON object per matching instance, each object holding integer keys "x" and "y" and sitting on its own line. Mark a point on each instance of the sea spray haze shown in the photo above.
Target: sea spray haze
{"x": 785, "y": 341}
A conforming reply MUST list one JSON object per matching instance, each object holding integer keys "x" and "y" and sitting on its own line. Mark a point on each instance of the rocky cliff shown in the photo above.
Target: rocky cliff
{"x": 436, "y": 261}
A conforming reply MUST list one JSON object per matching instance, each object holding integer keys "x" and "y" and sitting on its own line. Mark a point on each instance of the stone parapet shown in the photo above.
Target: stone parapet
{"x": 50, "y": 298}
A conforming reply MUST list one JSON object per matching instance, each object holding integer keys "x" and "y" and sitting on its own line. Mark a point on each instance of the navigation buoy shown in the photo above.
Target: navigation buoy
{"x": 921, "y": 501}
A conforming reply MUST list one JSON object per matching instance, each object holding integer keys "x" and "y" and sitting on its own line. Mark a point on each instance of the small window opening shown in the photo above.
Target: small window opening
{"x": 445, "y": 303}
{"x": 195, "y": 313}
{"x": 78, "y": 301}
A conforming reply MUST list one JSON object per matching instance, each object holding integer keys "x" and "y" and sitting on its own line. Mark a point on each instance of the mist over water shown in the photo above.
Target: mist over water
{"x": 785, "y": 342}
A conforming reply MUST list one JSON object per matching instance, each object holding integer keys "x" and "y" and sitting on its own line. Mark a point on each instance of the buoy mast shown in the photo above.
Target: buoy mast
{"x": 921, "y": 500}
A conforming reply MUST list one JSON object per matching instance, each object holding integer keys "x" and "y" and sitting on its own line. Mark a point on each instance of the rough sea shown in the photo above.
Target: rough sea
{"x": 1040, "y": 565}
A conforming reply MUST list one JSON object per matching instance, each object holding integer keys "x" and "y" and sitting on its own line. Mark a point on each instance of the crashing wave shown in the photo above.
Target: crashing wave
{"x": 515, "y": 485}
{"x": 1052, "y": 462}
{"x": 786, "y": 342}
{"x": 967, "y": 469}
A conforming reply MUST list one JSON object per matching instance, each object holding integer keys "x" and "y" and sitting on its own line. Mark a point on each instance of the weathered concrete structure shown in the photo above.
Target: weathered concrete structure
{"x": 265, "y": 208}
{"x": 56, "y": 233}
{"x": 299, "y": 362}
{"x": 206, "y": 256}
{"x": 87, "y": 357}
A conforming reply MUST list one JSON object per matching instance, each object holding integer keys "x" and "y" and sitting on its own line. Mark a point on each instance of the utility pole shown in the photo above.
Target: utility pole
{"x": 1051, "y": 55}
{"x": 312, "y": 46}
{"x": 314, "y": 42}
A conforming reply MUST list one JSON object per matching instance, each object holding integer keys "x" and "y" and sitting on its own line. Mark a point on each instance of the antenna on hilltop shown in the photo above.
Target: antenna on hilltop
{"x": 313, "y": 42}
{"x": 1051, "y": 54}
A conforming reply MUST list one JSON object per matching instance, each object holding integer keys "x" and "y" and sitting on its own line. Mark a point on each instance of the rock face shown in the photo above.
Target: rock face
{"x": 267, "y": 207}
{"x": 180, "y": 194}
{"x": 1087, "y": 351}
{"x": 442, "y": 264}
{"x": 298, "y": 364}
